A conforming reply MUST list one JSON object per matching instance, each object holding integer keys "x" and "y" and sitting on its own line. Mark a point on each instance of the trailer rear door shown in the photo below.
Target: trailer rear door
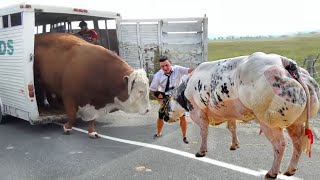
{"x": 16, "y": 64}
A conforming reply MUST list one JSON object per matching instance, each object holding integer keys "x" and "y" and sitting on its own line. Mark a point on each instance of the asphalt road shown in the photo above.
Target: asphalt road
{"x": 127, "y": 150}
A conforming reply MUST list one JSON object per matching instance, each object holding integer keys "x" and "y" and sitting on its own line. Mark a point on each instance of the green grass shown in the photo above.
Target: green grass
{"x": 296, "y": 48}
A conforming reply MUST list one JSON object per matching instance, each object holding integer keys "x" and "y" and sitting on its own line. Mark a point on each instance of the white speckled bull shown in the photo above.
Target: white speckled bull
{"x": 267, "y": 87}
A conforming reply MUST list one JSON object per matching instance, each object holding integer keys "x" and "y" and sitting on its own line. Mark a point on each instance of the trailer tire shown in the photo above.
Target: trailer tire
{"x": 2, "y": 117}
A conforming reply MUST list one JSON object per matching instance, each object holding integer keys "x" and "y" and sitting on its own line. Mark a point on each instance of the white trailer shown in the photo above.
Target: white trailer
{"x": 139, "y": 42}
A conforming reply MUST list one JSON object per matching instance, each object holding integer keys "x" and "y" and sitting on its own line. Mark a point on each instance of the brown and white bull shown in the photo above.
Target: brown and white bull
{"x": 90, "y": 79}
{"x": 267, "y": 87}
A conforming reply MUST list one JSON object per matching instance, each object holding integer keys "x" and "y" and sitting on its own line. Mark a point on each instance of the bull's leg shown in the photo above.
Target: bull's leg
{"x": 276, "y": 138}
{"x": 45, "y": 100}
{"x": 232, "y": 126}
{"x": 71, "y": 112}
{"x": 200, "y": 118}
{"x": 295, "y": 132}
{"x": 183, "y": 126}
{"x": 92, "y": 129}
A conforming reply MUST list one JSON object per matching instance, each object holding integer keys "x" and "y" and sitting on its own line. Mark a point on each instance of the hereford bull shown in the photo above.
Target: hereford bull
{"x": 90, "y": 79}
{"x": 267, "y": 87}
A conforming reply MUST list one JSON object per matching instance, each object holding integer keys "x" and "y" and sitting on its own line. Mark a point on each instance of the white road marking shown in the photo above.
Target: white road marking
{"x": 9, "y": 147}
{"x": 74, "y": 152}
{"x": 280, "y": 176}
{"x": 189, "y": 155}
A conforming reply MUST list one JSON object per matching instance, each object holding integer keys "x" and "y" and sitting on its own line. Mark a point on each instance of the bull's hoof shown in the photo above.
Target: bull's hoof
{"x": 66, "y": 131}
{"x": 94, "y": 135}
{"x": 46, "y": 104}
{"x": 268, "y": 176}
{"x": 288, "y": 173}
{"x": 232, "y": 148}
{"x": 201, "y": 154}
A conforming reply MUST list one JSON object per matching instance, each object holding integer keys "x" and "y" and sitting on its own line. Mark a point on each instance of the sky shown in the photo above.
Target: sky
{"x": 225, "y": 17}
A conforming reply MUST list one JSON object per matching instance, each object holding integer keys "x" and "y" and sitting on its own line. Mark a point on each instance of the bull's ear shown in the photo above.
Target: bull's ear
{"x": 130, "y": 80}
{"x": 126, "y": 79}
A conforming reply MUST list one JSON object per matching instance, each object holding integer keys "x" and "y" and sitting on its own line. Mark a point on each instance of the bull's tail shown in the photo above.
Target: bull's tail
{"x": 307, "y": 139}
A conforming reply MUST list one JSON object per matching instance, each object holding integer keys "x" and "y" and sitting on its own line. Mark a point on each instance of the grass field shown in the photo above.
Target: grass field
{"x": 297, "y": 48}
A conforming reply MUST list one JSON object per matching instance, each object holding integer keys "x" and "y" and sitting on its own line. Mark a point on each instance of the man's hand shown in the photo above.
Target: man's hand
{"x": 94, "y": 41}
{"x": 190, "y": 70}
{"x": 158, "y": 94}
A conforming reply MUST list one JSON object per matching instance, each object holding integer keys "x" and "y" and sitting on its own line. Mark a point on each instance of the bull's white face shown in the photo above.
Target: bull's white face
{"x": 139, "y": 98}
{"x": 138, "y": 90}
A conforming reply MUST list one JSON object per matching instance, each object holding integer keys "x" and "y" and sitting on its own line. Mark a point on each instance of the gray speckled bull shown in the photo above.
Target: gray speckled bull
{"x": 267, "y": 87}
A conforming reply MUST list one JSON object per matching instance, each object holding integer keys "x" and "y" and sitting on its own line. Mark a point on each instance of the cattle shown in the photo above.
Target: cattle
{"x": 268, "y": 88}
{"x": 90, "y": 80}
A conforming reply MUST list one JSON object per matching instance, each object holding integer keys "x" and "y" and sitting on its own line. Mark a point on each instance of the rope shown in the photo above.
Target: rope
{"x": 164, "y": 105}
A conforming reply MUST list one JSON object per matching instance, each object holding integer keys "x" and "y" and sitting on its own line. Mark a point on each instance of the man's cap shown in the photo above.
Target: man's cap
{"x": 83, "y": 23}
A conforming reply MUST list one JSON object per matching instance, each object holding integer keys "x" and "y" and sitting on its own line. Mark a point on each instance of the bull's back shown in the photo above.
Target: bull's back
{"x": 68, "y": 64}
{"x": 53, "y": 53}
{"x": 100, "y": 78}
{"x": 214, "y": 82}
{"x": 247, "y": 87}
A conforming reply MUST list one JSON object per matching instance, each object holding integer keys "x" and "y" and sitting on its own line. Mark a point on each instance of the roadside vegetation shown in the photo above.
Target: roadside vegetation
{"x": 297, "y": 48}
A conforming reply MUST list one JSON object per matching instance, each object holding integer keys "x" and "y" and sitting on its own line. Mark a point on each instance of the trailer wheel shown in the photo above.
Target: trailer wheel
{"x": 2, "y": 119}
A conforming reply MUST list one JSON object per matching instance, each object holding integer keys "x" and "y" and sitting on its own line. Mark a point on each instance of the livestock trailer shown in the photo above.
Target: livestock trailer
{"x": 138, "y": 41}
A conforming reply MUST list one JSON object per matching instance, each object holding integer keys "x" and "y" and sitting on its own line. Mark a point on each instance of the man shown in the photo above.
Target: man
{"x": 89, "y": 35}
{"x": 168, "y": 77}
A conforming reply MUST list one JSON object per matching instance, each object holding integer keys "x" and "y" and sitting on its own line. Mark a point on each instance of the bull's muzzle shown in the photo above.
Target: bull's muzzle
{"x": 144, "y": 112}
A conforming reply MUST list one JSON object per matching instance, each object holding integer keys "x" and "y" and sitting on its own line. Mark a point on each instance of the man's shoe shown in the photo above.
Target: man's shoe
{"x": 155, "y": 136}
{"x": 185, "y": 140}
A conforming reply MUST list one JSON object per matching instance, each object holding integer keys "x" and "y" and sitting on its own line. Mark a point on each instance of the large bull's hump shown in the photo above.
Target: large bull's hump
{"x": 58, "y": 39}
{"x": 214, "y": 82}
{"x": 223, "y": 82}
